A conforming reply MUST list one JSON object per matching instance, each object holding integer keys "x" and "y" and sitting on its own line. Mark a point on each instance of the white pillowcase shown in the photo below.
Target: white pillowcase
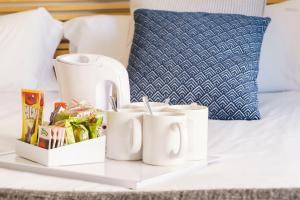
{"x": 280, "y": 56}
{"x": 112, "y": 35}
{"x": 28, "y": 41}
{"x": 245, "y": 7}
{"x": 103, "y": 34}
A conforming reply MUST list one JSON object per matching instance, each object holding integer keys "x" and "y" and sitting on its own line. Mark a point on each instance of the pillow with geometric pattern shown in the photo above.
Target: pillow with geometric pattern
{"x": 210, "y": 59}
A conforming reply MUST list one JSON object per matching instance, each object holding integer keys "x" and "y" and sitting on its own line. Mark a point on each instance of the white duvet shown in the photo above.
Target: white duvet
{"x": 254, "y": 154}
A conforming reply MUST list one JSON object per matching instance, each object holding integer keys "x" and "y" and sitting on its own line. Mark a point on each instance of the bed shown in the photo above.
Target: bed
{"x": 258, "y": 159}
{"x": 264, "y": 155}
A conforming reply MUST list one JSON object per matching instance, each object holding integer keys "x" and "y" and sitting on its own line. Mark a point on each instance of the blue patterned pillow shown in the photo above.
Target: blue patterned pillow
{"x": 211, "y": 59}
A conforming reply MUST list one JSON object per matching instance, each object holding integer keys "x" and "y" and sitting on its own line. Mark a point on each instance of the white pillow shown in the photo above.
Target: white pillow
{"x": 28, "y": 41}
{"x": 280, "y": 56}
{"x": 112, "y": 35}
{"x": 103, "y": 34}
{"x": 245, "y": 7}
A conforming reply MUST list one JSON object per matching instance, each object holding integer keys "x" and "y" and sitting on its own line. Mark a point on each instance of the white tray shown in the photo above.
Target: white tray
{"x": 129, "y": 174}
{"x": 89, "y": 151}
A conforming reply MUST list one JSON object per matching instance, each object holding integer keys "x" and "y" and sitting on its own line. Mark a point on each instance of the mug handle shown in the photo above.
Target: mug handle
{"x": 136, "y": 135}
{"x": 183, "y": 138}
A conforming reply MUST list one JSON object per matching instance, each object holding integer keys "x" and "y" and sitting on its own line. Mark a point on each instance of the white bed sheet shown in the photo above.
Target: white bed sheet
{"x": 255, "y": 154}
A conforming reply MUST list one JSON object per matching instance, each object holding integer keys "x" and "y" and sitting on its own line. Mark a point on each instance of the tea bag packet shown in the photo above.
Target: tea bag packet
{"x": 32, "y": 114}
{"x": 45, "y": 137}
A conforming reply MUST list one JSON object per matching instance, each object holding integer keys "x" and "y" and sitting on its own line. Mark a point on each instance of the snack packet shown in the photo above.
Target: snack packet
{"x": 94, "y": 126}
{"x": 82, "y": 121}
{"x": 70, "y": 138}
{"x": 51, "y": 137}
{"x": 80, "y": 133}
{"x": 58, "y": 107}
{"x": 45, "y": 137}
{"x": 32, "y": 111}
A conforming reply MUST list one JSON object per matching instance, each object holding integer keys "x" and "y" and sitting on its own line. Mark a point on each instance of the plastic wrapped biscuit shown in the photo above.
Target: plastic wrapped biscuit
{"x": 82, "y": 122}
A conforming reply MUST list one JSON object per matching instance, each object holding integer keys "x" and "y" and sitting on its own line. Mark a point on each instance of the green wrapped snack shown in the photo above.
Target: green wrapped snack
{"x": 69, "y": 132}
{"x": 94, "y": 126}
{"x": 80, "y": 133}
{"x": 78, "y": 120}
{"x": 62, "y": 115}
{"x": 82, "y": 122}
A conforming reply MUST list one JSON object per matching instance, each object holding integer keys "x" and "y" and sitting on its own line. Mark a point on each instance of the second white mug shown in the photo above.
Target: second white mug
{"x": 197, "y": 128}
{"x": 164, "y": 138}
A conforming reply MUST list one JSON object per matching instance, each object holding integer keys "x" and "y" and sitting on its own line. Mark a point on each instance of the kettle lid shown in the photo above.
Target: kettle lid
{"x": 80, "y": 59}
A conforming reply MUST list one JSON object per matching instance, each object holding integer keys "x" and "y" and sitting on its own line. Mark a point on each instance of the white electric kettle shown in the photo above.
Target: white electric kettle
{"x": 89, "y": 77}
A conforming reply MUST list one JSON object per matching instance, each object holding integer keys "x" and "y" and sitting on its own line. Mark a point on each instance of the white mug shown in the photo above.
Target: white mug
{"x": 197, "y": 128}
{"x": 155, "y": 106}
{"x": 124, "y": 134}
{"x": 164, "y": 138}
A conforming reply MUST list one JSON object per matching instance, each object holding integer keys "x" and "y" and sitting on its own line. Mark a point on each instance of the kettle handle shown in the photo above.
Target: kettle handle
{"x": 120, "y": 80}
{"x": 123, "y": 91}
